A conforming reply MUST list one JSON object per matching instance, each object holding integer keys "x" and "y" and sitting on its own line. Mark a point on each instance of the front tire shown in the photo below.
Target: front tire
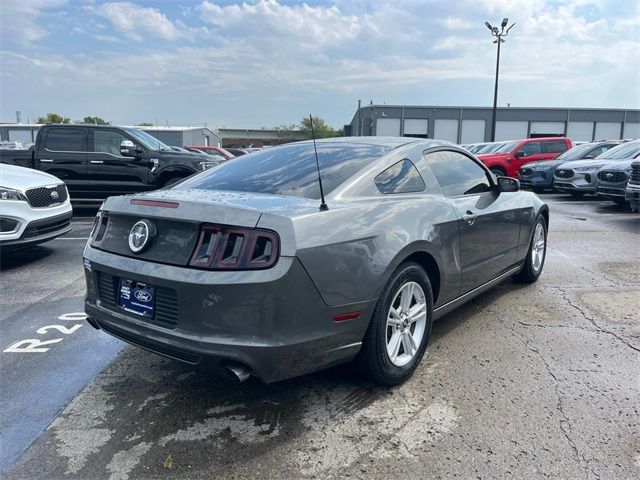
{"x": 536, "y": 255}
{"x": 400, "y": 328}
{"x": 498, "y": 172}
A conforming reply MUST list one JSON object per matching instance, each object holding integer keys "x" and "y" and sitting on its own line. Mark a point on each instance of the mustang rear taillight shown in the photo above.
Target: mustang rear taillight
{"x": 232, "y": 248}
{"x": 99, "y": 227}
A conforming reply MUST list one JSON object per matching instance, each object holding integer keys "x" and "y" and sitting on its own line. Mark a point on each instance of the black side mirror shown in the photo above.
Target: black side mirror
{"x": 519, "y": 154}
{"x": 129, "y": 149}
{"x": 508, "y": 184}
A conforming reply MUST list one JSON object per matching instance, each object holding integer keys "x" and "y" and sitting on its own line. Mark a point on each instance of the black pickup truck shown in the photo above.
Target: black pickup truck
{"x": 99, "y": 161}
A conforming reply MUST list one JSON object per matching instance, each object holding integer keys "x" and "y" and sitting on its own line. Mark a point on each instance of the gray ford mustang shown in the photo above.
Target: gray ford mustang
{"x": 240, "y": 266}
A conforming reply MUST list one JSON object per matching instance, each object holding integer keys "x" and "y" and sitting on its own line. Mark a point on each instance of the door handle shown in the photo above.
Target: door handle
{"x": 469, "y": 217}
{"x": 96, "y": 161}
{"x": 46, "y": 160}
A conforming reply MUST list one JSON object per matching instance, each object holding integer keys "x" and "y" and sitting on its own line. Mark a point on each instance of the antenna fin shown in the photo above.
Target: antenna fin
{"x": 323, "y": 204}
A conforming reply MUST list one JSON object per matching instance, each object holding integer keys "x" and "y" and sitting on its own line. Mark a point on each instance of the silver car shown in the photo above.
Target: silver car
{"x": 579, "y": 177}
{"x": 262, "y": 269}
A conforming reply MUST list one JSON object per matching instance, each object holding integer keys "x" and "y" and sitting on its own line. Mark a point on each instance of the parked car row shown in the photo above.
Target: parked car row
{"x": 538, "y": 176}
{"x": 598, "y": 168}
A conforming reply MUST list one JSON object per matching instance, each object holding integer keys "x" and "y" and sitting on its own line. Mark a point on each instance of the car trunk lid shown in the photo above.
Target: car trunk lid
{"x": 177, "y": 216}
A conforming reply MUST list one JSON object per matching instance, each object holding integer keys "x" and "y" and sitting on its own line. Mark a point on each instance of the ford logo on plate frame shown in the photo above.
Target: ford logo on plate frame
{"x": 141, "y": 235}
{"x": 143, "y": 296}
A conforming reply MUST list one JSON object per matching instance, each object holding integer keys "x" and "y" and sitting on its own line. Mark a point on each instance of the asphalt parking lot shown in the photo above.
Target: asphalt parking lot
{"x": 524, "y": 382}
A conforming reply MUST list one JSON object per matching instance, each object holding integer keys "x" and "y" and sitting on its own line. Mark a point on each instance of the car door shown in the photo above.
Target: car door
{"x": 63, "y": 153}
{"x": 528, "y": 153}
{"x": 109, "y": 172}
{"x": 489, "y": 222}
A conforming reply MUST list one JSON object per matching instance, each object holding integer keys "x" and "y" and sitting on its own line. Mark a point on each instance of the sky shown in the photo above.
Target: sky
{"x": 265, "y": 63}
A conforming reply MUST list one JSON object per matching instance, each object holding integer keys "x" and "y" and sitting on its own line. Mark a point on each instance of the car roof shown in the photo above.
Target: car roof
{"x": 392, "y": 142}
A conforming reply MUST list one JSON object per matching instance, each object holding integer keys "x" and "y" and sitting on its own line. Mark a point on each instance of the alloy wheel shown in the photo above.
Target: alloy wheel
{"x": 538, "y": 249}
{"x": 406, "y": 323}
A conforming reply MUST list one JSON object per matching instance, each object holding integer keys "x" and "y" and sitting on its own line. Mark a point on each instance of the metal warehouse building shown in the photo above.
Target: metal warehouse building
{"x": 473, "y": 124}
{"x": 184, "y": 136}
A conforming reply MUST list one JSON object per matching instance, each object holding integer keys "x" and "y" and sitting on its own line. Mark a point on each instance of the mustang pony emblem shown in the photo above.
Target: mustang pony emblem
{"x": 140, "y": 235}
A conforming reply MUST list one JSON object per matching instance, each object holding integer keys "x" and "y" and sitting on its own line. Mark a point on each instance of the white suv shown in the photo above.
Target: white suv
{"x": 34, "y": 207}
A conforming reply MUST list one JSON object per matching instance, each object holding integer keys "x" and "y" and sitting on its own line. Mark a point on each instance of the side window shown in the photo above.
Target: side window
{"x": 528, "y": 149}
{"x": 598, "y": 150}
{"x": 555, "y": 147}
{"x": 107, "y": 141}
{"x": 402, "y": 177}
{"x": 64, "y": 140}
{"x": 457, "y": 174}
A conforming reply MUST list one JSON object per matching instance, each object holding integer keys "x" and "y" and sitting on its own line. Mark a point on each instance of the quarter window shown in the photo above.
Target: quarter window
{"x": 403, "y": 177}
{"x": 457, "y": 174}
{"x": 64, "y": 140}
{"x": 107, "y": 141}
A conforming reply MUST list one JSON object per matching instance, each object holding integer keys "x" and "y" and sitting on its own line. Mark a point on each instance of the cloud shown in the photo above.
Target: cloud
{"x": 456, "y": 23}
{"x": 20, "y": 20}
{"x": 317, "y": 25}
{"x": 248, "y": 57}
{"x": 134, "y": 20}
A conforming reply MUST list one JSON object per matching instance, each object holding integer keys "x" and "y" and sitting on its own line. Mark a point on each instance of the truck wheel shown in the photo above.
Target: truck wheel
{"x": 400, "y": 327}
{"x": 536, "y": 254}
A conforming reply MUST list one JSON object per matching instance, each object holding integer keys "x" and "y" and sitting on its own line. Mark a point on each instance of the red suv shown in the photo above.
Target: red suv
{"x": 507, "y": 160}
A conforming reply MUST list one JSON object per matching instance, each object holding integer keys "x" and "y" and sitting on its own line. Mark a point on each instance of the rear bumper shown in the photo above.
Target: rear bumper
{"x": 273, "y": 321}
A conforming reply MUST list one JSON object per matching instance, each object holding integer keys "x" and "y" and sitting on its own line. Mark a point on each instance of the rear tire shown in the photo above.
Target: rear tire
{"x": 536, "y": 255}
{"x": 400, "y": 327}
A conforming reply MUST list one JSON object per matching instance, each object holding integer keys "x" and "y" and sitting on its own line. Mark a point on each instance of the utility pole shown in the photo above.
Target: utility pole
{"x": 498, "y": 33}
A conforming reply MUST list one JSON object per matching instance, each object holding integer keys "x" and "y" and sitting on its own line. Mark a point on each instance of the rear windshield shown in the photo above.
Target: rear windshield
{"x": 626, "y": 150}
{"x": 289, "y": 170}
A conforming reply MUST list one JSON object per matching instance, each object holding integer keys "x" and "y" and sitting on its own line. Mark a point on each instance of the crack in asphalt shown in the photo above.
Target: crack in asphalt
{"x": 565, "y": 422}
{"x": 592, "y": 321}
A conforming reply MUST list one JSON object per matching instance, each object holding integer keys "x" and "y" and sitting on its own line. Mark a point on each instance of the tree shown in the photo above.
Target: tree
{"x": 320, "y": 128}
{"x": 288, "y": 132}
{"x": 53, "y": 118}
{"x": 93, "y": 121}
{"x": 302, "y": 131}
{"x": 144, "y": 124}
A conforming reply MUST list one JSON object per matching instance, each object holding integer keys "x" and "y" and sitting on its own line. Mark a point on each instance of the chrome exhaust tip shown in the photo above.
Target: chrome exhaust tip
{"x": 238, "y": 373}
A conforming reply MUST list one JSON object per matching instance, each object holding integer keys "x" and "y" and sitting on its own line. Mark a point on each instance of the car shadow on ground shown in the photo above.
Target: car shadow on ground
{"x": 175, "y": 412}
{"x": 11, "y": 259}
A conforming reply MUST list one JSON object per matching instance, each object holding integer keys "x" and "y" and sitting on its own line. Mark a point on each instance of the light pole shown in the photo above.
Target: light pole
{"x": 498, "y": 34}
